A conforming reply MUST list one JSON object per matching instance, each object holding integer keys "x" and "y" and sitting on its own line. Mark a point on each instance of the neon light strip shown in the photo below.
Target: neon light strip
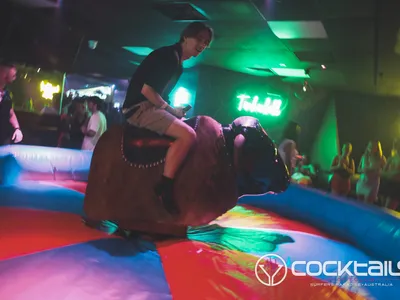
{"x": 102, "y": 92}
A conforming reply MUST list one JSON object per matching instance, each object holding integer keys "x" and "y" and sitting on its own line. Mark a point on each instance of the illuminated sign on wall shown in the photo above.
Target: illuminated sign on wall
{"x": 48, "y": 90}
{"x": 267, "y": 106}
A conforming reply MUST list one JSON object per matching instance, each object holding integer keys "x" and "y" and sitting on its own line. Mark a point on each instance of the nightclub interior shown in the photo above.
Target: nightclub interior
{"x": 285, "y": 119}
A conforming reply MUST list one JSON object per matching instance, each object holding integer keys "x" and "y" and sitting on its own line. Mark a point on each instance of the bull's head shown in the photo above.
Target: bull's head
{"x": 259, "y": 166}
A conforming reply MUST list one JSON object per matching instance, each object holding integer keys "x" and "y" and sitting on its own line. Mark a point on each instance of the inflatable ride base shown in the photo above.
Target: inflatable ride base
{"x": 47, "y": 253}
{"x": 24, "y": 162}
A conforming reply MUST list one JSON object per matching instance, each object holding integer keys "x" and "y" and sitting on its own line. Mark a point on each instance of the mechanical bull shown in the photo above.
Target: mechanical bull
{"x": 225, "y": 163}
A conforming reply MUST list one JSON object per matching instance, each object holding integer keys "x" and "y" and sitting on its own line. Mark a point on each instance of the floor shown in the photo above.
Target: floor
{"x": 46, "y": 252}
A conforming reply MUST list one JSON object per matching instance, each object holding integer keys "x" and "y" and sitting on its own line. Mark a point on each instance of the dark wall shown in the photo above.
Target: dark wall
{"x": 363, "y": 118}
{"x": 217, "y": 97}
{"x": 326, "y": 144}
{"x": 39, "y": 130}
{"x": 310, "y": 118}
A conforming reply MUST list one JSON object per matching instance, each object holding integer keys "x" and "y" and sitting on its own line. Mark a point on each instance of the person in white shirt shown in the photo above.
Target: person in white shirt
{"x": 96, "y": 126}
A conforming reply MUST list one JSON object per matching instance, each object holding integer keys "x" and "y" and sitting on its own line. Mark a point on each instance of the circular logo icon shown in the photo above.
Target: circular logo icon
{"x": 271, "y": 270}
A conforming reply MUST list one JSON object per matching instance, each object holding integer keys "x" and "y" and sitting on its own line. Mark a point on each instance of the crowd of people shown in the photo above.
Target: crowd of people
{"x": 373, "y": 169}
{"x": 81, "y": 127}
{"x": 83, "y": 124}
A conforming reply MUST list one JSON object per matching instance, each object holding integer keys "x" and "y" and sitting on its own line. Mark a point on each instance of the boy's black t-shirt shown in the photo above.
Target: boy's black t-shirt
{"x": 161, "y": 70}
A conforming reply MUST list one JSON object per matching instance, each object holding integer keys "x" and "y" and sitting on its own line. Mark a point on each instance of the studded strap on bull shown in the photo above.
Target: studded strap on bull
{"x": 142, "y": 148}
{"x": 128, "y": 162}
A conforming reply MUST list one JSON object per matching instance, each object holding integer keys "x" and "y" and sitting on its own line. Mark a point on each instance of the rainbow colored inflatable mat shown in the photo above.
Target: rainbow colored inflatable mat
{"x": 46, "y": 252}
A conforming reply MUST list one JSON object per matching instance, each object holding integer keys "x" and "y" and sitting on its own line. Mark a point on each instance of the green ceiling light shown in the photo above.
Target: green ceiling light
{"x": 288, "y": 30}
{"x": 287, "y": 72}
{"x": 141, "y": 51}
{"x": 268, "y": 106}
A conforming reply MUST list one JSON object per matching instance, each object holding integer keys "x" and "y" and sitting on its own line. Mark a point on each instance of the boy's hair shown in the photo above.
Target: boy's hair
{"x": 193, "y": 30}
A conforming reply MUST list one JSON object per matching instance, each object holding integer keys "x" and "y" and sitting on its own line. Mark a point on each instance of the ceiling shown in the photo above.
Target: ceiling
{"x": 356, "y": 40}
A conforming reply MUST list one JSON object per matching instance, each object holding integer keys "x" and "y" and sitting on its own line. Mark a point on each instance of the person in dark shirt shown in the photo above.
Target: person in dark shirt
{"x": 71, "y": 135}
{"x": 147, "y": 106}
{"x": 9, "y": 126}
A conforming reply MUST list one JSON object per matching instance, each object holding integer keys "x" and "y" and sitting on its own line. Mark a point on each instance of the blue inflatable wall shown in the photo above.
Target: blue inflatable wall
{"x": 43, "y": 163}
{"x": 370, "y": 228}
